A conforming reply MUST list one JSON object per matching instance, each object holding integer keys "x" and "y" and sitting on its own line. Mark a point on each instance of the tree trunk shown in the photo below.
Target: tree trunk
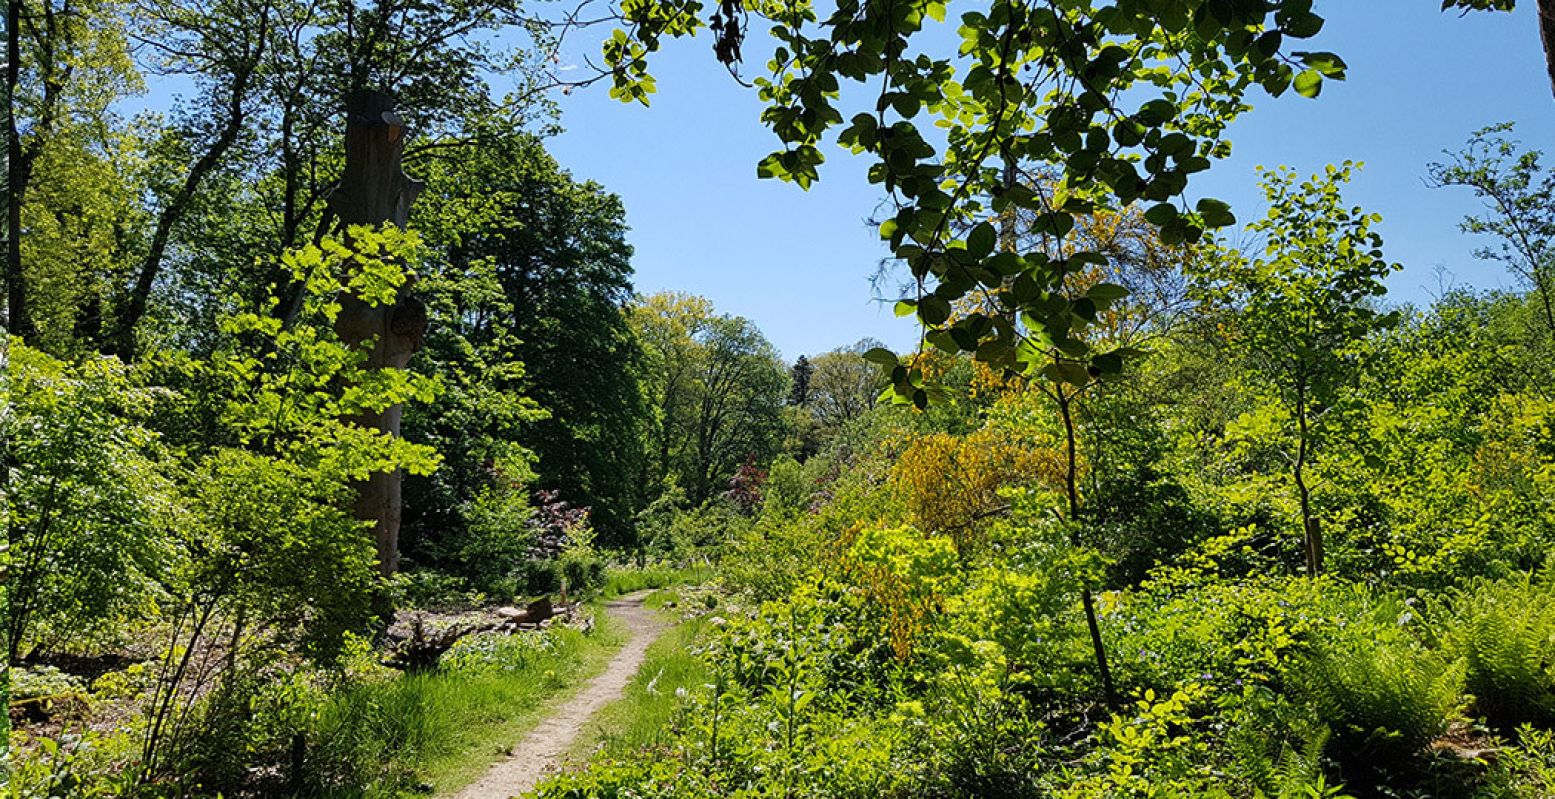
{"x": 374, "y": 191}
{"x": 1311, "y": 533}
{"x": 18, "y": 321}
{"x": 1546, "y": 12}
{"x": 1071, "y": 490}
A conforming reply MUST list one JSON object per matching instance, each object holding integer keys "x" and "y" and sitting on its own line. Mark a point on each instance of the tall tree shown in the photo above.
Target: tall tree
{"x": 1519, "y": 196}
{"x": 553, "y": 250}
{"x": 258, "y": 139}
{"x": 222, "y": 46}
{"x": 717, "y": 387}
{"x": 844, "y": 386}
{"x": 68, "y": 64}
{"x": 1300, "y": 309}
{"x": 799, "y": 376}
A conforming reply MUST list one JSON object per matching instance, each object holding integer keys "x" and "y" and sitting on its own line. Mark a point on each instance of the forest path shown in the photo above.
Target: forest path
{"x": 542, "y": 749}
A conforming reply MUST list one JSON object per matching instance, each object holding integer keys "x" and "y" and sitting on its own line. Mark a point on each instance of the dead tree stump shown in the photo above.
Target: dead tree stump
{"x": 374, "y": 191}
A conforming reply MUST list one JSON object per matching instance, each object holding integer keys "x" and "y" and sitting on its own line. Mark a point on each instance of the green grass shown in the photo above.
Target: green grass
{"x": 628, "y": 579}
{"x": 446, "y": 727}
{"x": 641, "y": 717}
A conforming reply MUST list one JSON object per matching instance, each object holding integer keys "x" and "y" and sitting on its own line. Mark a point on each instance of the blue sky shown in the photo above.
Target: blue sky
{"x": 798, "y": 263}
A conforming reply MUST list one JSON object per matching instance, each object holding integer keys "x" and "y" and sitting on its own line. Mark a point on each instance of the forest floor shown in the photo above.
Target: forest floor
{"x": 544, "y": 748}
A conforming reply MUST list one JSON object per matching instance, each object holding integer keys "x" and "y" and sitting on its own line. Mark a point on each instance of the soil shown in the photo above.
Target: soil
{"x": 542, "y": 749}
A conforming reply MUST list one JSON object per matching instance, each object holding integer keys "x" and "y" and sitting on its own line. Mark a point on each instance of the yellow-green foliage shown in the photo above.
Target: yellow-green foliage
{"x": 903, "y": 571}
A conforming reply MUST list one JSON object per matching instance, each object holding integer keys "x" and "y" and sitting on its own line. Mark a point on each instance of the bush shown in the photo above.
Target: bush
{"x": 91, "y": 508}
{"x": 541, "y": 576}
{"x": 496, "y": 538}
{"x": 582, "y": 572}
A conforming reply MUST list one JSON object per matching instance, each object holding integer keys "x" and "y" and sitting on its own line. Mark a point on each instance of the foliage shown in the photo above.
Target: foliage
{"x": 1038, "y": 95}
{"x": 716, "y": 388}
{"x": 1385, "y": 699}
{"x": 1517, "y": 192}
{"x": 531, "y": 266}
{"x": 92, "y": 504}
{"x": 1298, "y": 312}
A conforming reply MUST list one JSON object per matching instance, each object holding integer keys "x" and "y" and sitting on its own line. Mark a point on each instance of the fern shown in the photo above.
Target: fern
{"x": 1505, "y": 631}
{"x": 1299, "y": 767}
{"x": 1384, "y": 696}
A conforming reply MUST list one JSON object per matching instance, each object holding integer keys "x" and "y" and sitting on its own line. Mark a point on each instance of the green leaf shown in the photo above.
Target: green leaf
{"x": 906, "y": 307}
{"x": 933, "y": 310}
{"x": 1161, "y": 214}
{"x": 1109, "y": 363}
{"x": 1065, "y": 372}
{"x": 1309, "y": 83}
{"x": 1103, "y": 293}
{"x": 881, "y": 355}
{"x": 982, "y": 240}
{"x": 1329, "y": 64}
{"x": 1216, "y": 213}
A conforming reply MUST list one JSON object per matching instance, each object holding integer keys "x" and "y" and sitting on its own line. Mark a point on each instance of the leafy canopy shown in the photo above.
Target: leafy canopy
{"x": 1060, "y": 108}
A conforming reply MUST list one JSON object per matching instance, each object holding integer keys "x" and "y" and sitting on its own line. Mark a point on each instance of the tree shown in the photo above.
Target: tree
{"x": 273, "y": 553}
{"x": 844, "y": 386}
{"x": 1300, "y": 310}
{"x": 533, "y": 266}
{"x": 389, "y": 326}
{"x": 717, "y": 388}
{"x": 799, "y": 376}
{"x": 529, "y": 266}
{"x": 89, "y": 501}
{"x": 1519, "y": 195}
{"x": 258, "y": 139}
{"x": 68, "y": 63}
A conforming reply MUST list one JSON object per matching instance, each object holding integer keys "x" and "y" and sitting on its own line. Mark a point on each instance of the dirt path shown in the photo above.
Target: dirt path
{"x": 543, "y": 747}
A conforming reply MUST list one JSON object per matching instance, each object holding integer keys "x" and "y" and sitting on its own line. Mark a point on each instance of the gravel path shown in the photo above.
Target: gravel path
{"x": 542, "y": 749}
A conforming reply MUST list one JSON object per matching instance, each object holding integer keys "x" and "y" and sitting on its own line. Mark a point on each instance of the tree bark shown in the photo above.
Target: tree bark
{"x": 1071, "y": 491}
{"x": 1546, "y": 12}
{"x": 1311, "y": 533}
{"x": 374, "y": 191}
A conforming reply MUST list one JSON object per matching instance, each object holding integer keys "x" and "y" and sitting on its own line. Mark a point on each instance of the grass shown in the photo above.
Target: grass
{"x": 640, "y": 718}
{"x": 627, "y": 579}
{"x": 444, "y": 728}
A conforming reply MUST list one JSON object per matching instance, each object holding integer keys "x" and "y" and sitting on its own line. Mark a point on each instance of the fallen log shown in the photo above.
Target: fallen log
{"x": 418, "y": 640}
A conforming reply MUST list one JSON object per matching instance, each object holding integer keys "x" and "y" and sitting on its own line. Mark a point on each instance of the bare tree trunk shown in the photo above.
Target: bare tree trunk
{"x": 374, "y": 191}
{"x": 1311, "y": 533}
{"x": 1546, "y": 11}
{"x": 1071, "y": 473}
{"x": 18, "y": 321}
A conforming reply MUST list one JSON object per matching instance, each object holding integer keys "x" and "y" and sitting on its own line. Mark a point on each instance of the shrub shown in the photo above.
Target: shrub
{"x": 86, "y": 764}
{"x": 540, "y": 576}
{"x": 496, "y": 537}
{"x": 1523, "y": 772}
{"x": 90, "y": 504}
